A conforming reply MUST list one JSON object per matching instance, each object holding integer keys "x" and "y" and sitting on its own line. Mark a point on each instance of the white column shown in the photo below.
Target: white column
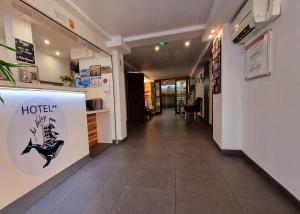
{"x": 16, "y": 28}
{"x": 120, "y": 95}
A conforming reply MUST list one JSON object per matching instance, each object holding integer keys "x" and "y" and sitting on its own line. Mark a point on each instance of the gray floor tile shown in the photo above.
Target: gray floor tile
{"x": 136, "y": 200}
{"x": 90, "y": 197}
{"x": 154, "y": 176}
{"x": 246, "y": 182}
{"x": 194, "y": 203}
{"x": 208, "y": 183}
{"x": 263, "y": 206}
{"x": 160, "y": 157}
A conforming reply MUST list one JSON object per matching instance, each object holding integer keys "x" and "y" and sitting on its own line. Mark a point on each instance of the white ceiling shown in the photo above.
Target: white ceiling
{"x": 174, "y": 60}
{"x": 133, "y": 17}
{"x": 141, "y": 24}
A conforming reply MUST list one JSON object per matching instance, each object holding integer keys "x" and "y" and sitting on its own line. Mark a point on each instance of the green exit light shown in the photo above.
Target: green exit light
{"x": 163, "y": 44}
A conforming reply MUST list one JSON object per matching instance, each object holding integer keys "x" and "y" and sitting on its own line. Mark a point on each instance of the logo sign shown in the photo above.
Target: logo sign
{"x": 37, "y": 135}
{"x": 25, "y": 51}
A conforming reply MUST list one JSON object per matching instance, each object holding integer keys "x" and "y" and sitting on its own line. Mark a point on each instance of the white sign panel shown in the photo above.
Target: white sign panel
{"x": 41, "y": 133}
{"x": 257, "y": 57}
{"x": 41, "y": 130}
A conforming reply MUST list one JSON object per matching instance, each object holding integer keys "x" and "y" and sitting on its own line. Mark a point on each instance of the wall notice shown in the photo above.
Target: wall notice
{"x": 257, "y": 57}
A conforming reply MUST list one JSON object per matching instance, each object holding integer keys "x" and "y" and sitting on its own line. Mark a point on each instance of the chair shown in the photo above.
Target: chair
{"x": 194, "y": 109}
{"x": 189, "y": 110}
{"x": 198, "y": 106}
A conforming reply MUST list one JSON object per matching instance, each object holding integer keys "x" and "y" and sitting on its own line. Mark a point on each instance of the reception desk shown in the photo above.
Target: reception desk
{"x": 43, "y": 133}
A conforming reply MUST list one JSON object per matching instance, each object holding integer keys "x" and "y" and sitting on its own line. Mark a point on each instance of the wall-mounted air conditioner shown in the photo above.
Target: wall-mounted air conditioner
{"x": 254, "y": 15}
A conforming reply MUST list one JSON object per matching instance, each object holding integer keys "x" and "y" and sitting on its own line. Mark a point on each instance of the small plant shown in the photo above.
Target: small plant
{"x": 67, "y": 78}
{"x": 5, "y": 68}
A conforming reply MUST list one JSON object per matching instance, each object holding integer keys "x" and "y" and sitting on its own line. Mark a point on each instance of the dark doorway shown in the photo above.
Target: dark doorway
{"x": 206, "y": 92}
{"x": 135, "y": 98}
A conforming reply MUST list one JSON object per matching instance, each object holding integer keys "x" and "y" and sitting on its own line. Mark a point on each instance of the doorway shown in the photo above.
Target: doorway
{"x": 168, "y": 96}
{"x": 206, "y": 93}
{"x": 171, "y": 95}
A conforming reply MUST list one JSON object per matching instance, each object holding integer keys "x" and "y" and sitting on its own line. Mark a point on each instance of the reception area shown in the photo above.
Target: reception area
{"x": 58, "y": 109}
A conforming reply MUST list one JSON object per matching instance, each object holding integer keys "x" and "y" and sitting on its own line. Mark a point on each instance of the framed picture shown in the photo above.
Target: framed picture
{"x": 258, "y": 56}
{"x": 95, "y": 70}
{"x": 84, "y": 72}
{"x": 29, "y": 74}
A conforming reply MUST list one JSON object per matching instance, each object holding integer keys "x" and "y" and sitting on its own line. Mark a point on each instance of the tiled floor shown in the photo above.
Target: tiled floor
{"x": 168, "y": 165}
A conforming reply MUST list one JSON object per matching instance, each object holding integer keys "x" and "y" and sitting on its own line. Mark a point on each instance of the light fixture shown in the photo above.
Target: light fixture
{"x": 163, "y": 43}
{"x": 57, "y": 53}
{"x": 210, "y": 36}
{"x": 213, "y": 31}
{"x": 47, "y": 42}
{"x": 156, "y": 48}
{"x": 187, "y": 43}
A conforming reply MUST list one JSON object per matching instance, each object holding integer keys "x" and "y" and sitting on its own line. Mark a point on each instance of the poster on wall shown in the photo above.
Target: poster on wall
{"x": 42, "y": 133}
{"x": 216, "y": 64}
{"x": 25, "y": 51}
{"x": 257, "y": 57}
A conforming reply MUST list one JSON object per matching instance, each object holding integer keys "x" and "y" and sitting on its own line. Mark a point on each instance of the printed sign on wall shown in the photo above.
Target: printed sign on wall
{"x": 36, "y": 135}
{"x": 25, "y": 51}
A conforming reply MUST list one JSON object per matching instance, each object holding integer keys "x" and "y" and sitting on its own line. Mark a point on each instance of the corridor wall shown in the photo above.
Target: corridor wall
{"x": 271, "y": 105}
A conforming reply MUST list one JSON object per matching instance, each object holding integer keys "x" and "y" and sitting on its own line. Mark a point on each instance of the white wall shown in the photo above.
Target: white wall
{"x": 217, "y": 119}
{"x": 3, "y": 51}
{"x": 227, "y": 116}
{"x": 120, "y": 95}
{"x": 232, "y": 64}
{"x": 108, "y": 97}
{"x": 51, "y": 67}
{"x": 271, "y": 105}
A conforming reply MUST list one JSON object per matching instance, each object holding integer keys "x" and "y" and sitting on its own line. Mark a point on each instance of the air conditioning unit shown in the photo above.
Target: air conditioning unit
{"x": 254, "y": 15}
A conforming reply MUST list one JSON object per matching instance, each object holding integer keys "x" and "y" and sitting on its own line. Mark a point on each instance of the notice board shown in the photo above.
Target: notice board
{"x": 25, "y": 51}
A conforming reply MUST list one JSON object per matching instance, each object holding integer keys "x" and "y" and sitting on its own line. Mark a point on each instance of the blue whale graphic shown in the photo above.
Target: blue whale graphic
{"x": 48, "y": 152}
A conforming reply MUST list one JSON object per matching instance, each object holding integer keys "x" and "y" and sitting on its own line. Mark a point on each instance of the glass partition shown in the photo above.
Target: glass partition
{"x": 157, "y": 97}
{"x": 181, "y": 92}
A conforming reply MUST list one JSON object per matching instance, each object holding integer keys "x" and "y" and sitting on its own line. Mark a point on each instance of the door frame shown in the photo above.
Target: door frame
{"x": 175, "y": 79}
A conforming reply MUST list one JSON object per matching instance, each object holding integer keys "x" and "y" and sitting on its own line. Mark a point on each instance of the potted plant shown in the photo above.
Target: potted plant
{"x": 68, "y": 80}
{"x": 5, "y": 68}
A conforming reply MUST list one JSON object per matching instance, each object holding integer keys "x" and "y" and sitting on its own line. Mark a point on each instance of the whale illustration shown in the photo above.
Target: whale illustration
{"x": 48, "y": 152}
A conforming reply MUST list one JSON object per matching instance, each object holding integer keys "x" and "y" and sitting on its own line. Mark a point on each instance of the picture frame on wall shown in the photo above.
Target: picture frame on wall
{"x": 258, "y": 56}
{"x": 95, "y": 70}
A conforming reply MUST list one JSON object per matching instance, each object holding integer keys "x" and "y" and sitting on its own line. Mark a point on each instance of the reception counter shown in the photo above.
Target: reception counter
{"x": 43, "y": 134}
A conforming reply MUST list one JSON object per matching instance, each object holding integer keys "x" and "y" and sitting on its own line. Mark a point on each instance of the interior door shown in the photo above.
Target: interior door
{"x": 181, "y": 95}
{"x": 158, "y": 97}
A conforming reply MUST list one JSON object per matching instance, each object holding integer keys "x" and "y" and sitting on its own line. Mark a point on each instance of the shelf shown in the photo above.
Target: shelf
{"x": 32, "y": 86}
{"x": 97, "y": 111}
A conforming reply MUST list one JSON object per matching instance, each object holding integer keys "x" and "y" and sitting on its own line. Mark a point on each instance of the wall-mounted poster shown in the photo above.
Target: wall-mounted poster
{"x": 216, "y": 65}
{"x": 25, "y": 51}
{"x": 257, "y": 56}
{"x": 95, "y": 70}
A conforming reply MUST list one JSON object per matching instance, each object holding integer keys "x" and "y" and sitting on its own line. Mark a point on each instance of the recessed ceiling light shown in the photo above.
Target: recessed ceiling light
{"x": 212, "y": 31}
{"x": 156, "y": 48}
{"x": 47, "y": 42}
{"x": 57, "y": 53}
{"x": 187, "y": 43}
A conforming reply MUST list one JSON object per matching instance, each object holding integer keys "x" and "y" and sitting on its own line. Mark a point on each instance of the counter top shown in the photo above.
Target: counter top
{"x": 6, "y": 84}
{"x": 98, "y": 111}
